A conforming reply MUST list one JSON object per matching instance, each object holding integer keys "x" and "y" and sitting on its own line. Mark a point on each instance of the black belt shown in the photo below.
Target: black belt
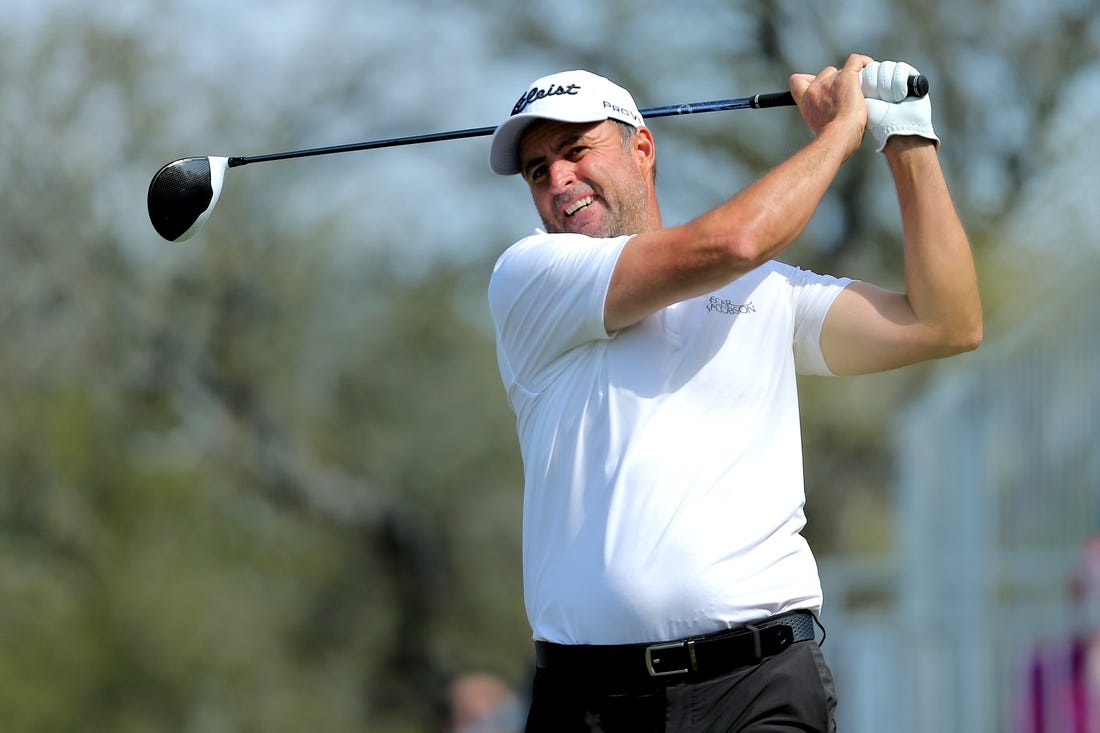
{"x": 696, "y": 657}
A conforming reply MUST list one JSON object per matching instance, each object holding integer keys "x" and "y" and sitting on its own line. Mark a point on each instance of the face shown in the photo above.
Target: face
{"x": 584, "y": 179}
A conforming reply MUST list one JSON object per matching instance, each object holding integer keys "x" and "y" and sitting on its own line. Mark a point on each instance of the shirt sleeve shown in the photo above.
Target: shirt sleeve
{"x": 812, "y": 296}
{"x": 547, "y": 296}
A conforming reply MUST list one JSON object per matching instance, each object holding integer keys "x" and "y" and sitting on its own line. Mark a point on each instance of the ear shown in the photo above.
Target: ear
{"x": 645, "y": 149}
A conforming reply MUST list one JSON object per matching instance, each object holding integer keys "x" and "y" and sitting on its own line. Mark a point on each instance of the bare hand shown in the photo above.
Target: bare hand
{"x": 833, "y": 100}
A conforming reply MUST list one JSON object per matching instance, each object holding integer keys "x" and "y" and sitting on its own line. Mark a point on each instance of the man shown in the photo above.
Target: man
{"x": 480, "y": 702}
{"x": 652, "y": 372}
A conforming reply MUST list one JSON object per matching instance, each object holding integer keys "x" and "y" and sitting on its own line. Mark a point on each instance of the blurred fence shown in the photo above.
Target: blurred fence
{"x": 998, "y": 483}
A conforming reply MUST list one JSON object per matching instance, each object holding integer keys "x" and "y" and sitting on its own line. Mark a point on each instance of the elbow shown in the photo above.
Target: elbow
{"x": 970, "y": 341}
{"x": 723, "y": 254}
{"x": 734, "y": 244}
{"x": 963, "y": 339}
{"x": 972, "y": 335}
{"x": 747, "y": 247}
{"x": 976, "y": 334}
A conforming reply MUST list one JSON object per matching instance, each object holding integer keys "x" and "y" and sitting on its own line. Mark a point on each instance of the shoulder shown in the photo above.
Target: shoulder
{"x": 534, "y": 241}
{"x": 799, "y": 280}
{"x": 792, "y": 274}
{"x": 541, "y": 252}
{"x": 555, "y": 245}
{"x": 774, "y": 279}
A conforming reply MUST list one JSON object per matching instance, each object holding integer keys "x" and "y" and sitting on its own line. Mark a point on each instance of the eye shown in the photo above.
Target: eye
{"x": 536, "y": 173}
{"x": 576, "y": 151}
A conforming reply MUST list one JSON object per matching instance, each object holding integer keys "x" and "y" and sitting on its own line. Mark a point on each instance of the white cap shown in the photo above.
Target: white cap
{"x": 568, "y": 96}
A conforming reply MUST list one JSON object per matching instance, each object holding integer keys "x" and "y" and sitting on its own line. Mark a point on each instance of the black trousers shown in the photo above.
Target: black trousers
{"x": 792, "y": 691}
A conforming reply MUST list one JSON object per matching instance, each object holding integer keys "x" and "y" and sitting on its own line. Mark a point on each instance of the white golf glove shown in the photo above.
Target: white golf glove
{"x": 890, "y": 111}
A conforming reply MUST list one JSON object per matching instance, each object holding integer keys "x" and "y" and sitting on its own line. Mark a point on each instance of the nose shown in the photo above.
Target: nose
{"x": 562, "y": 175}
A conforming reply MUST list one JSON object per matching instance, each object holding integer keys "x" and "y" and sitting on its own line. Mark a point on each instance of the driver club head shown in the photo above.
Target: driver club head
{"x": 183, "y": 193}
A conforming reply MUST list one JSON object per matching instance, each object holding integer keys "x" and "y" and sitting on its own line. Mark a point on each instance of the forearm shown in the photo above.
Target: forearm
{"x": 761, "y": 220}
{"x": 941, "y": 281}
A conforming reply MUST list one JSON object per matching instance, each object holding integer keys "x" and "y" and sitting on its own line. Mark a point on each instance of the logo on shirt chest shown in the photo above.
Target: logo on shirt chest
{"x": 728, "y": 307}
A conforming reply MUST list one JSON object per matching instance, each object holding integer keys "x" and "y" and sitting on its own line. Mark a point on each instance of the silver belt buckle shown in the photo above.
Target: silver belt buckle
{"x": 690, "y": 644}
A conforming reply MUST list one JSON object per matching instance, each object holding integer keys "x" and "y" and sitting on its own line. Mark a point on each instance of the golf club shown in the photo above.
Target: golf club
{"x": 184, "y": 192}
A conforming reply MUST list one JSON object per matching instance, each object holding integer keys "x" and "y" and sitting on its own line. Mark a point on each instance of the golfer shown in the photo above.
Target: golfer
{"x": 652, "y": 373}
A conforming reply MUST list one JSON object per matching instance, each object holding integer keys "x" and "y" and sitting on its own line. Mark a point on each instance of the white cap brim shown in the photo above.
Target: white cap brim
{"x": 504, "y": 149}
{"x": 602, "y": 100}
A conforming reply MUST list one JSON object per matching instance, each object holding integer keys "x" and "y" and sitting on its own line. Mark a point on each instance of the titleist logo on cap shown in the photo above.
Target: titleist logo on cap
{"x": 536, "y": 93}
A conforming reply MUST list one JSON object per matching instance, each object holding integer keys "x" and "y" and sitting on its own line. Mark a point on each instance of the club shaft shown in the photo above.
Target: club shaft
{"x": 918, "y": 87}
{"x": 369, "y": 145}
{"x": 757, "y": 101}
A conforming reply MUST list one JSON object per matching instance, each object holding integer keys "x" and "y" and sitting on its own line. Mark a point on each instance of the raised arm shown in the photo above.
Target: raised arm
{"x": 870, "y": 329}
{"x": 667, "y": 265}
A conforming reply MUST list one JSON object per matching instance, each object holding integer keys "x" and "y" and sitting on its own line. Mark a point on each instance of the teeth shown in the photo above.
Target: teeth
{"x": 580, "y": 204}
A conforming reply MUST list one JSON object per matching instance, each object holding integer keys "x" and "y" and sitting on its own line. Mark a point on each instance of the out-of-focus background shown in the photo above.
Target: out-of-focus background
{"x": 267, "y": 480}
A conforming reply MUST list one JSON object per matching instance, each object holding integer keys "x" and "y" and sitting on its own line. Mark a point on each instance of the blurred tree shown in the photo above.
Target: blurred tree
{"x": 249, "y": 485}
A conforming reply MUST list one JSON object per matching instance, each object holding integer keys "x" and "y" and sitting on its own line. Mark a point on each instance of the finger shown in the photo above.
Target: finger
{"x": 857, "y": 61}
{"x": 799, "y": 83}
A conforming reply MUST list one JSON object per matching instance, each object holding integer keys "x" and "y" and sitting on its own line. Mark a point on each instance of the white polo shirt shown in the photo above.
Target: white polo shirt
{"x": 663, "y": 463}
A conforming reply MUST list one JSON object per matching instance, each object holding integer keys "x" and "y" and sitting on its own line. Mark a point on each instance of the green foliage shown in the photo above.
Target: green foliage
{"x": 251, "y": 485}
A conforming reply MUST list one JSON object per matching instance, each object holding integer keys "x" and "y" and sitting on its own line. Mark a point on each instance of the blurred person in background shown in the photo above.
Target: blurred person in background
{"x": 479, "y": 702}
{"x": 1062, "y": 681}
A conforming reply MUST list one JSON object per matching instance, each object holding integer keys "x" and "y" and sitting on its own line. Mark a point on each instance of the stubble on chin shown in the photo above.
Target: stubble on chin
{"x": 628, "y": 218}
{"x": 603, "y": 229}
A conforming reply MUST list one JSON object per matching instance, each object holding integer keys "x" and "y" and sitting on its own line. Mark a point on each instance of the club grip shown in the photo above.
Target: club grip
{"x": 918, "y": 87}
{"x": 775, "y": 99}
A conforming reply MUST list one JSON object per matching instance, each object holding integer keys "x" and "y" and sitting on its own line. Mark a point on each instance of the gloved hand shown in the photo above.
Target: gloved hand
{"x": 890, "y": 111}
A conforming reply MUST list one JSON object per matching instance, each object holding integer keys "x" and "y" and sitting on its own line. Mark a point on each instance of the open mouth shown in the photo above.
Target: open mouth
{"x": 579, "y": 204}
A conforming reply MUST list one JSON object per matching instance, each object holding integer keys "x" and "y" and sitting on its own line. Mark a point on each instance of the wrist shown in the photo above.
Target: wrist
{"x": 898, "y": 144}
{"x": 911, "y": 158}
{"x": 909, "y": 150}
{"x": 843, "y": 135}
